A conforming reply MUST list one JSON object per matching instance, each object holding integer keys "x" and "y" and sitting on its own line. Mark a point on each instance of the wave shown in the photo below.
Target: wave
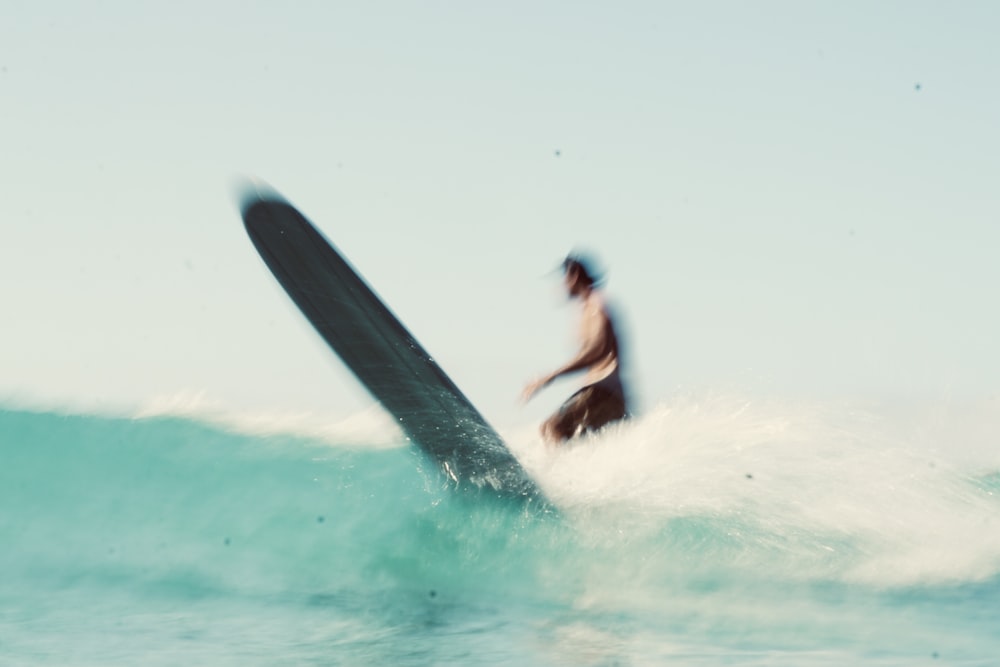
{"x": 702, "y": 488}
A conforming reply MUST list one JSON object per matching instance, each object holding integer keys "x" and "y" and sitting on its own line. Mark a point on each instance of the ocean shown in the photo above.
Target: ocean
{"x": 713, "y": 530}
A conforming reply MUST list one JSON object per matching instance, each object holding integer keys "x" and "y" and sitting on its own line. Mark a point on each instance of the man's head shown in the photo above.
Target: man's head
{"x": 579, "y": 275}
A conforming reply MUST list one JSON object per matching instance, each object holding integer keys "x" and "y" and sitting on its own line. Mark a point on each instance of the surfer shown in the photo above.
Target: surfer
{"x": 602, "y": 398}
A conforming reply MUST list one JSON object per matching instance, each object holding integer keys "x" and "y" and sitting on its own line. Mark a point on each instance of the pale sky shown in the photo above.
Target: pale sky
{"x": 790, "y": 197}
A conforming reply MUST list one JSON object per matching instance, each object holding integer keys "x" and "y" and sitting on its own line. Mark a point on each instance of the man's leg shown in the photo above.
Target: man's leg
{"x": 587, "y": 410}
{"x": 569, "y": 420}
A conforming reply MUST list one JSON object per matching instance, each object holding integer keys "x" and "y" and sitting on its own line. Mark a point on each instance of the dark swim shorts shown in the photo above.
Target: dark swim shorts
{"x": 588, "y": 410}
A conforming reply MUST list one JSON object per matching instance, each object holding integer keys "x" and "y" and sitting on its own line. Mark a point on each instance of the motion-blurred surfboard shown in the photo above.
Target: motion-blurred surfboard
{"x": 379, "y": 350}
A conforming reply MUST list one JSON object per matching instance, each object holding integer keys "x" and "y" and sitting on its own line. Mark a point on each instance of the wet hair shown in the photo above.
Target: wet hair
{"x": 584, "y": 267}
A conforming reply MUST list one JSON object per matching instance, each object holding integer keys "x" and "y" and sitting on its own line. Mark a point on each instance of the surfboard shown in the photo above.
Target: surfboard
{"x": 384, "y": 356}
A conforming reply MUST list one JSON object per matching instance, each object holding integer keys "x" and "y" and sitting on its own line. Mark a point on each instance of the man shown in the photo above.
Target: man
{"x": 602, "y": 399}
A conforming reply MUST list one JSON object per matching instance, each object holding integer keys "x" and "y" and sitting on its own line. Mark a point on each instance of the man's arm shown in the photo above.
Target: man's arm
{"x": 598, "y": 343}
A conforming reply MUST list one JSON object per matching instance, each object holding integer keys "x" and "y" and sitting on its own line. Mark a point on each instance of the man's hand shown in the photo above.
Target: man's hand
{"x": 532, "y": 388}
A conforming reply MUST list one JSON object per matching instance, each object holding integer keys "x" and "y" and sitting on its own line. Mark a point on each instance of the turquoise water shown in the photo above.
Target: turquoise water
{"x": 710, "y": 532}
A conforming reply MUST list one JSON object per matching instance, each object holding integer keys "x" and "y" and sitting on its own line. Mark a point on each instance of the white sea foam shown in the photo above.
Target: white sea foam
{"x": 883, "y": 498}
{"x": 372, "y": 427}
